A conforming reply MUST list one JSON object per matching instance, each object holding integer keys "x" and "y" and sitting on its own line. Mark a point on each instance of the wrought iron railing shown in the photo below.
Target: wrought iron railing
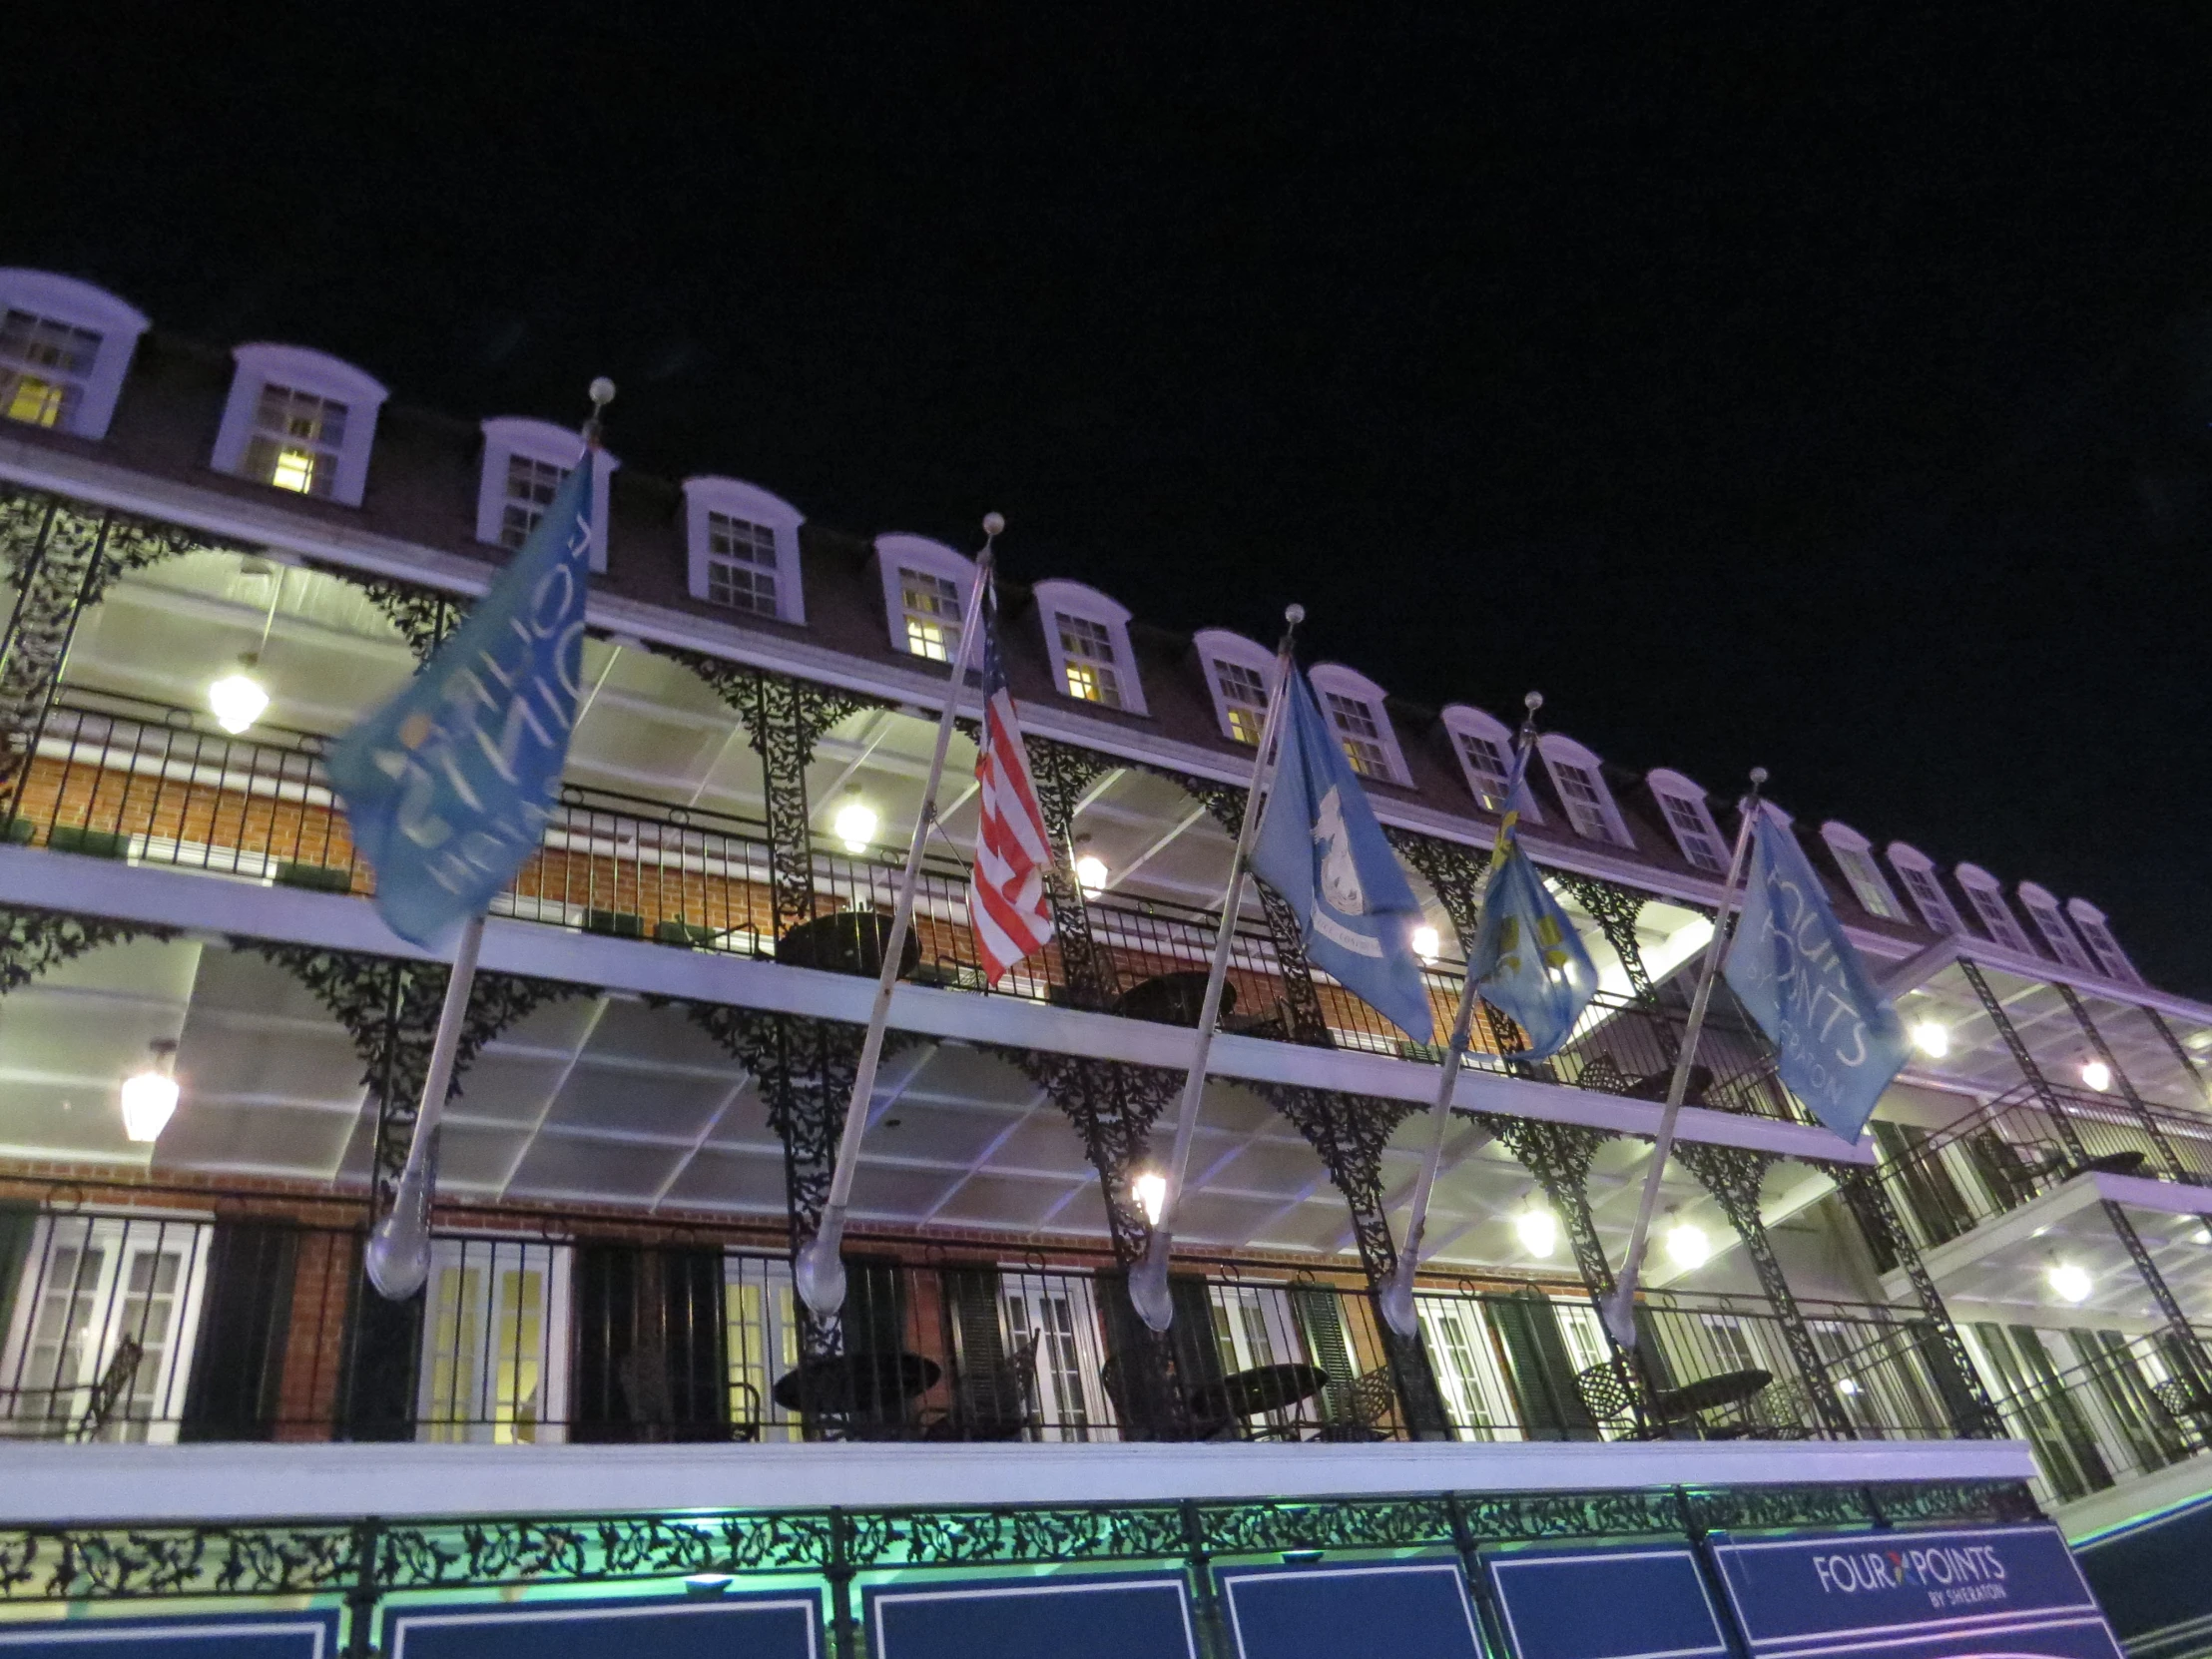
{"x": 124, "y": 778}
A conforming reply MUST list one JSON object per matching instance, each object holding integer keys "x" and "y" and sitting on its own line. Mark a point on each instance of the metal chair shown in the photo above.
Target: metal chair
{"x": 1367, "y": 1406}
{"x": 114, "y": 1386}
{"x": 993, "y": 1404}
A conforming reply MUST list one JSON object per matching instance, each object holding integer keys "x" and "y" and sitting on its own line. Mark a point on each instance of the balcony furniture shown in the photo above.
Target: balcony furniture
{"x": 2114, "y": 1162}
{"x": 114, "y": 1386}
{"x": 1368, "y": 1405}
{"x": 1154, "y": 1412}
{"x": 846, "y": 941}
{"x": 867, "y": 1384}
{"x": 991, "y": 1405}
{"x": 748, "y": 1426}
{"x": 314, "y": 877}
{"x": 1249, "y": 1393}
{"x": 1172, "y": 998}
{"x": 615, "y": 925}
{"x": 1689, "y": 1403}
{"x": 93, "y": 843}
{"x": 689, "y": 934}
{"x": 1607, "y": 1392}
{"x": 1654, "y": 1086}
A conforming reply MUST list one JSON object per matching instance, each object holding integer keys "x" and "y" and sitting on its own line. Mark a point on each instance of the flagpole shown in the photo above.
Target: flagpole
{"x": 818, "y": 1272}
{"x": 1619, "y": 1308}
{"x": 1148, "y": 1283}
{"x": 1397, "y": 1298}
{"x": 398, "y": 1257}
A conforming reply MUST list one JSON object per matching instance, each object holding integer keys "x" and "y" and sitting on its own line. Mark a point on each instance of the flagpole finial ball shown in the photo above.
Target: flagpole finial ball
{"x": 1758, "y": 774}
{"x": 994, "y": 524}
{"x": 1533, "y": 701}
{"x": 1293, "y": 614}
{"x": 602, "y": 392}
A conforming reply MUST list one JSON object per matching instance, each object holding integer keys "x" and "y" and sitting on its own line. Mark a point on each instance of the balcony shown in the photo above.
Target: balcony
{"x": 2125, "y": 1410}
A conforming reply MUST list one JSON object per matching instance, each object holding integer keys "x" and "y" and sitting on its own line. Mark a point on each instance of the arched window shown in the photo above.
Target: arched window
{"x": 742, "y": 548}
{"x": 65, "y": 348}
{"x": 1684, "y": 807}
{"x": 1578, "y": 779}
{"x": 1087, "y": 636}
{"x": 300, "y": 421}
{"x": 1353, "y": 707}
{"x": 2043, "y": 910}
{"x": 525, "y": 462}
{"x": 1240, "y": 675}
{"x": 1484, "y": 746}
{"x": 1987, "y": 899}
{"x": 1853, "y": 855}
{"x": 1918, "y": 871}
{"x": 2098, "y": 932}
{"x": 926, "y": 594}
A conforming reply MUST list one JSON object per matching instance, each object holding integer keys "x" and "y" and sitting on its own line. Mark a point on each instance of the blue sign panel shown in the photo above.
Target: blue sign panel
{"x": 2152, "y": 1580}
{"x": 217, "y": 1636}
{"x": 770, "y": 1625}
{"x": 1403, "y": 1610}
{"x": 2010, "y": 1589}
{"x": 1639, "y": 1602}
{"x": 1116, "y": 1617}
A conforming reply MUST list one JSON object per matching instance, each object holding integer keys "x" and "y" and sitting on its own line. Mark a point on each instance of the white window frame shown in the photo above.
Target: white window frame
{"x": 1560, "y": 750}
{"x": 734, "y": 498}
{"x": 475, "y": 1418}
{"x": 1668, "y": 785}
{"x": 897, "y": 552}
{"x": 508, "y": 438}
{"x": 1059, "y": 598}
{"x": 2096, "y": 932}
{"x": 1862, "y": 872}
{"x": 1068, "y": 1379}
{"x": 1934, "y": 904}
{"x": 1336, "y": 680}
{"x": 1987, "y": 894}
{"x": 1463, "y": 720}
{"x": 760, "y": 1341}
{"x": 2043, "y": 910}
{"x": 76, "y": 304}
{"x": 118, "y": 1238}
{"x": 1216, "y": 646}
{"x": 320, "y": 375}
{"x": 1456, "y": 1332}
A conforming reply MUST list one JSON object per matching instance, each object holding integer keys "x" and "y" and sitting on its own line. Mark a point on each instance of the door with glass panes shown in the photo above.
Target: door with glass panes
{"x": 760, "y": 1320}
{"x": 1060, "y": 1313}
{"x": 1468, "y": 1369}
{"x": 495, "y": 1343}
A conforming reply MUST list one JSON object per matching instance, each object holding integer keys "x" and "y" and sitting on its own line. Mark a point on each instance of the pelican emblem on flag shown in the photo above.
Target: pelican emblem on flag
{"x": 1339, "y": 874}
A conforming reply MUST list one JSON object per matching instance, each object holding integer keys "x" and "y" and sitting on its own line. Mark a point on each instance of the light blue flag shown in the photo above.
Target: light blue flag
{"x": 1529, "y": 961}
{"x": 1791, "y": 966}
{"x": 449, "y": 785}
{"x": 1321, "y": 848}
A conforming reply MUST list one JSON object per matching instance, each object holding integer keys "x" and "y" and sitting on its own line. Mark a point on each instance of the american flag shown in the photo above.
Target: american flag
{"x": 1006, "y": 898}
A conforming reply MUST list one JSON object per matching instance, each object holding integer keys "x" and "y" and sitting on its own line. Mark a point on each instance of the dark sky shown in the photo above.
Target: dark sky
{"x": 1783, "y": 386}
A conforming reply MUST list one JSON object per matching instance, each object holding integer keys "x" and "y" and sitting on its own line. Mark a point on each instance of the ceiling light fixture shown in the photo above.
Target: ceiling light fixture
{"x": 1427, "y": 942}
{"x": 1931, "y": 1039}
{"x": 1538, "y": 1229}
{"x": 1150, "y": 1190}
{"x": 1091, "y": 875}
{"x": 237, "y": 698}
{"x": 2069, "y": 1282}
{"x": 1687, "y": 1244}
{"x": 855, "y": 825}
{"x": 2096, "y": 1074}
{"x": 149, "y": 1096}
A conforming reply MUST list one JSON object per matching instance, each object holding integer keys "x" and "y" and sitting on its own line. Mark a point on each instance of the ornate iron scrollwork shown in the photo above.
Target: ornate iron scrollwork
{"x": 2175, "y": 1169}
{"x": 1062, "y": 771}
{"x": 31, "y": 942}
{"x": 1615, "y": 909}
{"x": 423, "y": 614}
{"x": 1113, "y": 1105}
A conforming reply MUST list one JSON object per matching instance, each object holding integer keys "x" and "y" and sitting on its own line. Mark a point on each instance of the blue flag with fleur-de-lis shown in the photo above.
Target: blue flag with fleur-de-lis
{"x": 1528, "y": 962}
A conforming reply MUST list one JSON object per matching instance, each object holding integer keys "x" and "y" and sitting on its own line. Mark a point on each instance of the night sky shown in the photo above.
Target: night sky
{"x": 1786, "y": 387}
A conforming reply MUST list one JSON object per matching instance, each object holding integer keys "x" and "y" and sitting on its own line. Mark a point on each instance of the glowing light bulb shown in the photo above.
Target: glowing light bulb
{"x": 149, "y": 1099}
{"x": 1427, "y": 942}
{"x": 2096, "y": 1074}
{"x": 236, "y": 701}
{"x": 1150, "y": 1190}
{"x": 1091, "y": 873}
{"x": 1687, "y": 1244}
{"x": 1846, "y": 1387}
{"x": 1931, "y": 1039}
{"x": 2069, "y": 1281}
{"x": 854, "y": 825}
{"x": 1538, "y": 1229}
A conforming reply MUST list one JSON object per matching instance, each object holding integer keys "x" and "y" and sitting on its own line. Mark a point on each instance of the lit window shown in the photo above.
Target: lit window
{"x": 296, "y": 439}
{"x": 1693, "y": 833}
{"x": 495, "y": 1343}
{"x": 1486, "y": 760}
{"x": 1861, "y": 871}
{"x": 2044, "y": 910}
{"x": 741, "y": 564}
{"x": 531, "y": 486}
{"x": 1087, "y": 650}
{"x": 1919, "y": 876}
{"x": 44, "y": 365}
{"x": 1361, "y": 733}
{"x": 931, "y": 606}
{"x": 1987, "y": 899}
{"x": 2098, "y": 932}
{"x": 1244, "y": 698}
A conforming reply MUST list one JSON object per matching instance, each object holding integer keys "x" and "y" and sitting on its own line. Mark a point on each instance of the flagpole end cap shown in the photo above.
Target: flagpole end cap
{"x": 1293, "y": 614}
{"x": 1758, "y": 774}
{"x": 602, "y": 392}
{"x": 994, "y": 524}
{"x": 1533, "y": 701}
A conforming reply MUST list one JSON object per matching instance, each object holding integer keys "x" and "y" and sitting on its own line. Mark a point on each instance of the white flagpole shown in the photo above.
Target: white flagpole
{"x": 819, "y": 1273}
{"x": 1619, "y": 1308}
{"x": 1397, "y": 1298}
{"x": 398, "y": 1255}
{"x": 1148, "y": 1283}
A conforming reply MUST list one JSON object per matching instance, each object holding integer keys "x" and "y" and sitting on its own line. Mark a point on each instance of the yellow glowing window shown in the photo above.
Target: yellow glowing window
{"x": 1243, "y": 698}
{"x": 293, "y": 470}
{"x": 486, "y": 1344}
{"x": 296, "y": 441}
{"x": 43, "y": 367}
{"x": 1087, "y": 649}
{"x": 1360, "y": 736}
{"x": 35, "y": 401}
{"x": 932, "y": 608}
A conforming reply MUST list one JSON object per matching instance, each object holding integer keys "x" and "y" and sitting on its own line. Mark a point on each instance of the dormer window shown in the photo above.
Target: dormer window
{"x": 2043, "y": 910}
{"x": 1485, "y": 748}
{"x": 744, "y": 548}
{"x": 1687, "y": 815}
{"x": 1987, "y": 899}
{"x": 1578, "y": 777}
{"x": 1855, "y": 857}
{"x": 65, "y": 348}
{"x": 1918, "y": 871}
{"x": 1354, "y": 707}
{"x": 1238, "y": 674}
{"x": 525, "y": 464}
{"x": 925, "y": 593}
{"x": 1087, "y": 636}
{"x": 2098, "y": 932}
{"x": 300, "y": 421}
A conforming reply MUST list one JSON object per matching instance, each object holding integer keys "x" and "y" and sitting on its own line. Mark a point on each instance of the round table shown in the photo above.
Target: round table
{"x": 869, "y": 1382}
{"x": 1710, "y": 1394}
{"x": 1246, "y": 1394}
{"x": 846, "y": 941}
{"x": 1172, "y": 998}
